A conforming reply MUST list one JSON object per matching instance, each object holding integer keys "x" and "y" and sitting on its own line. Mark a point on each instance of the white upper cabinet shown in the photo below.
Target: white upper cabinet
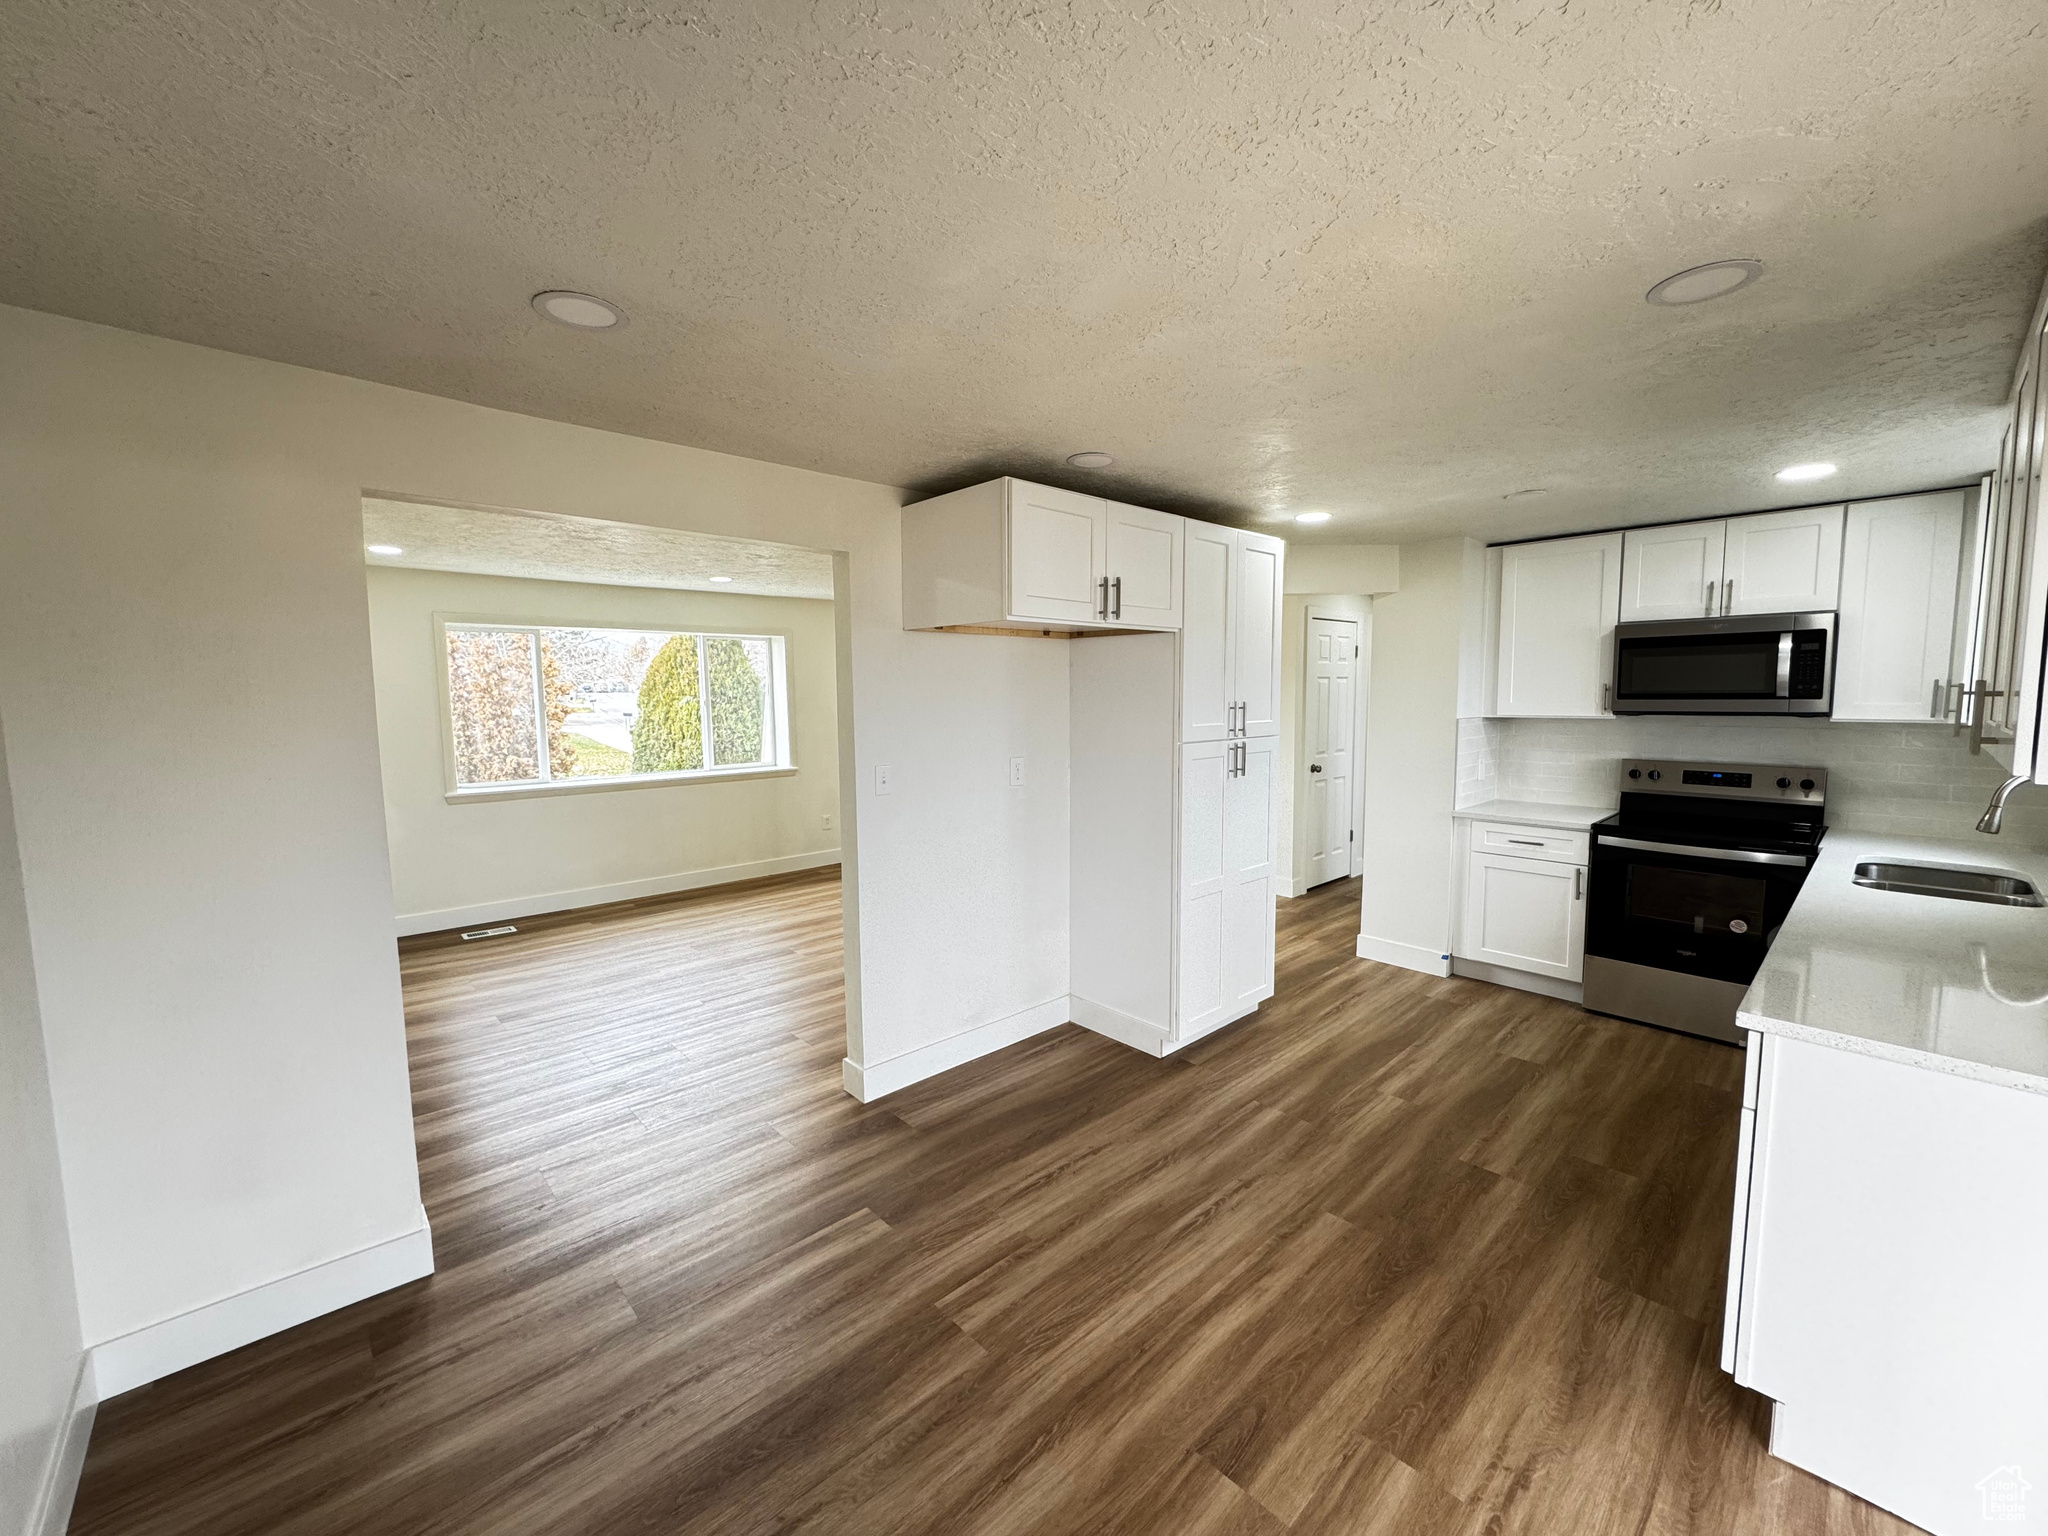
{"x": 1783, "y": 562}
{"x": 1059, "y": 554}
{"x": 1673, "y": 572}
{"x": 1558, "y": 604}
{"x": 1029, "y": 559}
{"x": 1900, "y": 560}
{"x": 1230, "y": 633}
{"x": 1208, "y": 694}
{"x": 1144, "y": 565}
{"x": 1256, "y": 643}
{"x": 1767, "y": 562}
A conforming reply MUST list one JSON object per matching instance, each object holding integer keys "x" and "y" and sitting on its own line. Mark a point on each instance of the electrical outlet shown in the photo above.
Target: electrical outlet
{"x": 825, "y": 822}
{"x": 1016, "y": 773}
{"x": 881, "y": 781}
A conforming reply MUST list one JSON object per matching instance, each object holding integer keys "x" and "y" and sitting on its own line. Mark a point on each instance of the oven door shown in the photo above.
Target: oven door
{"x": 1773, "y": 664}
{"x": 1708, "y": 912}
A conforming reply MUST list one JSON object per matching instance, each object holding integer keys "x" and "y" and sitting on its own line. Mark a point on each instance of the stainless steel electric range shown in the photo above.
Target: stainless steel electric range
{"x": 1688, "y": 884}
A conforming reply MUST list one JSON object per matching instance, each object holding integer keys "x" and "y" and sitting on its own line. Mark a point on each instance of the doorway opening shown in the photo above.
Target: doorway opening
{"x": 1329, "y": 651}
{"x": 574, "y": 713}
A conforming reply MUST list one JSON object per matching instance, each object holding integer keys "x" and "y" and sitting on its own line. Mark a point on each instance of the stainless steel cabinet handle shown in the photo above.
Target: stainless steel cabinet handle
{"x": 1117, "y": 584}
{"x": 1524, "y": 842}
{"x": 1728, "y": 596}
{"x": 1954, "y": 705}
{"x": 1607, "y": 698}
{"x": 1708, "y": 611}
{"x": 1579, "y": 884}
{"x": 1102, "y": 600}
{"x": 1934, "y": 702}
{"x": 1731, "y": 855}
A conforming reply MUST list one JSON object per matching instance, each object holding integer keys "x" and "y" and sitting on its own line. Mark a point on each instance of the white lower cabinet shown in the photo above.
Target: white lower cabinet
{"x": 1886, "y": 1261}
{"x": 1226, "y": 881}
{"x": 1527, "y": 914}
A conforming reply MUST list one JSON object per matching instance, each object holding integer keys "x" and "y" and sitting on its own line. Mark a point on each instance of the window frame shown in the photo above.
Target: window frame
{"x": 776, "y": 715}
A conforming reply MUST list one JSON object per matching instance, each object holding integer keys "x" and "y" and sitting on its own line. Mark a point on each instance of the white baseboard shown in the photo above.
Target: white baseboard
{"x": 50, "y": 1515}
{"x": 136, "y": 1359}
{"x": 868, "y": 1083}
{"x": 1411, "y": 957}
{"x": 1524, "y": 981}
{"x": 598, "y": 895}
{"x": 1119, "y": 1026}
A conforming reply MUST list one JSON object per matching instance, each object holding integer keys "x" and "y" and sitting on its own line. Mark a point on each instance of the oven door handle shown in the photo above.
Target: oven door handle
{"x": 1732, "y": 855}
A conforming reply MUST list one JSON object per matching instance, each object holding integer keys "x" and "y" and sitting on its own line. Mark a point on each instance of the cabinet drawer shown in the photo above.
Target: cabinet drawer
{"x": 1529, "y": 842}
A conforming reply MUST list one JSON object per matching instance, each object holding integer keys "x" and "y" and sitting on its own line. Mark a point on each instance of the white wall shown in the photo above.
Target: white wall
{"x": 185, "y": 679}
{"x": 40, "y": 1352}
{"x": 1420, "y": 654}
{"x": 1294, "y": 615}
{"x": 1365, "y": 569}
{"x": 484, "y": 861}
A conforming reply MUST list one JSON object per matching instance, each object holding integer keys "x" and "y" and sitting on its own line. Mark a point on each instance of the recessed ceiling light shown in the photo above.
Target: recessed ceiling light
{"x": 1090, "y": 460}
{"x": 581, "y": 310}
{"x": 1715, "y": 280}
{"x": 1798, "y": 472}
{"x": 721, "y": 578}
{"x": 384, "y": 549}
{"x": 1311, "y": 517}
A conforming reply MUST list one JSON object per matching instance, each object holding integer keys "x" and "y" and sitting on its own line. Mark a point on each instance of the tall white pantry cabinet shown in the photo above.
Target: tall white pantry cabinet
{"x": 1174, "y": 692}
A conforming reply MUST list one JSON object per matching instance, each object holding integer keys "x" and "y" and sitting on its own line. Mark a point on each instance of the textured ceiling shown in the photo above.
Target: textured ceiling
{"x": 1384, "y": 260}
{"x": 546, "y": 547}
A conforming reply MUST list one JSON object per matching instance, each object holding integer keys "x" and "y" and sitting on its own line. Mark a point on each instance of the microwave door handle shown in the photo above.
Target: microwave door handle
{"x": 1785, "y": 664}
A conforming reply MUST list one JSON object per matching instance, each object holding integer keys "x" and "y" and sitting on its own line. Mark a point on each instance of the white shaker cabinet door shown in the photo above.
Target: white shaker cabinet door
{"x": 1557, "y": 610}
{"x": 1526, "y": 914}
{"x": 1144, "y": 567}
{"x": 1783, "y": 562}
{"x": 1209, "y": 572}
{"x": 1248, "y": 842}
{"x": 1058, "y": 555}
{"x": 1205, "y": 780}
{"x": 1672, "y": 572}
{"x": 1255, "y": 622}
{"x": 1900, "y": 559}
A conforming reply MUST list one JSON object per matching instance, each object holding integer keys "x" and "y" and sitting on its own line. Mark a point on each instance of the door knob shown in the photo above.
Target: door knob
{"x": 1315, "y": 767}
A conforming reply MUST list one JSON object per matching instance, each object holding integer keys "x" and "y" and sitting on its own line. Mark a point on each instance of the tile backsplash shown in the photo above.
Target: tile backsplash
{"x": 1911, "y": 779}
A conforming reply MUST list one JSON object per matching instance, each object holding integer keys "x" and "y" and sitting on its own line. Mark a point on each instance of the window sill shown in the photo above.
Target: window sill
{"x": 482, "y": 793}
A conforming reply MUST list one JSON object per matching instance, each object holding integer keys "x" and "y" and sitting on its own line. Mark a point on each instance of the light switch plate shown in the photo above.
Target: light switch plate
{"x": 881, "y": 781}
{"x": 1016, "y": 773}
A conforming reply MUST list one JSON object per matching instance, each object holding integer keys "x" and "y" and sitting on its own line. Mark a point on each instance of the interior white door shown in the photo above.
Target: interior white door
{"x": 1255, "y": 621}
{"x": 1558, "y": 601}
{"x": 1329, "y": 723}
{"x": 1205, "y": 777}
{"x": 1248, "y": 910}
{"x": 1058, "y": 555}
{"x": 1144, "y": 567}
{"x": 1672, "y": 572}
{"x": 1526, "y": 914}
{"x": 1900, "y": 559}
{"x": 1783, "y": 562}
{"x": 1209, "y": 571}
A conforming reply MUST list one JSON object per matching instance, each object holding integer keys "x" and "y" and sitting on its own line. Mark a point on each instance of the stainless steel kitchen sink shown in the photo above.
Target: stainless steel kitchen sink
{"x": 1995, "y": 886}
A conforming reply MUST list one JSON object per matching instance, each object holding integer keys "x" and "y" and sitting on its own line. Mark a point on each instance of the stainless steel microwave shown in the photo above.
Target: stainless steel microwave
{"x": 1746, "y": 664}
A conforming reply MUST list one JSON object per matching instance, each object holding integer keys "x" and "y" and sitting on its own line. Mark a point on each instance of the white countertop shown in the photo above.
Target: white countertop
{"x": 1955, "y": 986}
{"x": 1534, "y": 813}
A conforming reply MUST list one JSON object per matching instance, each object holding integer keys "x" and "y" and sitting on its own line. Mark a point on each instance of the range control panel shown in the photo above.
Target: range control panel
{"x": 1736, "y": 781}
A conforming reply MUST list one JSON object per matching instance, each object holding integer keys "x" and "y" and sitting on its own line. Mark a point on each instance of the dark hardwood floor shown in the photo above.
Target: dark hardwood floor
{"x": 1397, "y": 1255}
